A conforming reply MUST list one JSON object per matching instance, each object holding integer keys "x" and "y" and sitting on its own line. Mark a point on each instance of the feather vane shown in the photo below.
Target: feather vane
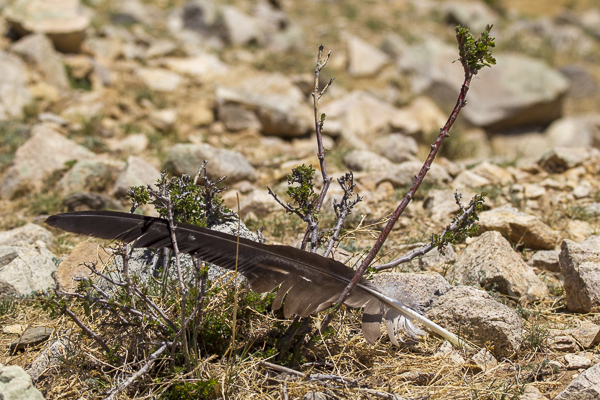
{"x": 311, "y": 282}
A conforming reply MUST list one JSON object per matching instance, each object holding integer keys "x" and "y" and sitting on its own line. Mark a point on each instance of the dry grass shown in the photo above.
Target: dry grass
{"x": 415, "y": 370}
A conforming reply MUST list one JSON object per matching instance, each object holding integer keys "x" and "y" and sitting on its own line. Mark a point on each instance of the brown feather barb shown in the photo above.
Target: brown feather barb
{"x": 312, "y": 282}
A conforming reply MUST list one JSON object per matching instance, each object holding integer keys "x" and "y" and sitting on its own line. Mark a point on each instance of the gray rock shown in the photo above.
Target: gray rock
{"x": 164, "y": 120}
{"x": 365, "y": 160}
{"x": 475, "y": 315}
{"x": 447, "y": 351}
{"x": 578, "y": 361}
{"x": 469, "y": 179}
{"x": 26, "y": 235}
{"x": 490, "y": 261}
{"x": 258, "y": 202}
{"x": 31, "y": 337}
{"x": 581, "y": 82}
{"x": 523, "y": 148}
{"x": 586, "y": 334}
{"x": 240, "y": 29}
{"x": 14, "y": 94}
{"x": 580, "y": 267}
{"x": 393, "y": 45}
{"x": 525, "y": 92}
{"x": 484, "y": 360}
{"x": 493, "y": 173}
{"x": 585, "y": 387}
{"x": 15, "y": 384}
{"x": 360, "y": 116}
{"x": 401, "y": 175}
{"x": 63, "y": 21}
{"x": 417, "y": 290}
{"x": 202, "y": 67}
{"x": 474, "y": 14}
{"x": 137, "y": 172}
{"x": 94, "y": 175}
{"x": 187, "y": 158}
{"x": 278, "y": 106}
{"x": 53, "y": 354}
{"x": 591, "y": 243}
{"x": 432, "y": 261}
{"x": 518, "y": 227}
{"x": 130, "y": 145}
{"x": 530, "y": 392}
{"x": 27, "y": 269}
{"x": 81, "y": 201}
{"x": 546, "y": 259}
{"x": 396, "y": 147}
{"x": 44, "y": 153}
{"x": 159, "y": 79}
{"x": 37, "y": 50}
{"x": 199, "y": 16}
{"x": 441, "y": 204}
{"x": 363, "y": 58}
{"x": 84, "y": 108}
{"x": 236, "y": 117}
{"x": 560, "y": 159}
{"x": 558, "y": 341}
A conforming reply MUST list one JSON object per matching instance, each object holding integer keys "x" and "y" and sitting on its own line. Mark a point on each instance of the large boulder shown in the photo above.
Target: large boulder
{"x": 270, "y": 103}
{"x": 417, "y": 290}
{"x": 491, "y": 262}
{"x": 15, "y": 384}
{"x": 137, "y": 172}
{"x": 26, "y": 235}
{"x": 580, "y": 267}
{"x": 44, "y": 153}
{"x": 37, "y": 50}
{"x": 476, "y": 316}
{"x": 363, "y": 58}
{"x": 585, "y": 387}
{"x": 187, "y": 158}
{"x": 63, "y": 21}
{"x": 518, "y": 227}
{"x": 26, "y": 269}
{"x": 521, "y": 91}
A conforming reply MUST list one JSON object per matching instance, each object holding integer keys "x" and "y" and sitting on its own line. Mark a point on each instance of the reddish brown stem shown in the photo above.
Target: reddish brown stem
{"x": 460, "y": 103}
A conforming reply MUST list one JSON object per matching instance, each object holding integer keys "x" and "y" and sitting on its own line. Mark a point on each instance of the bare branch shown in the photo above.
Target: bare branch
{"x": 461, "y": 222}
{"x": 123, "y": 385}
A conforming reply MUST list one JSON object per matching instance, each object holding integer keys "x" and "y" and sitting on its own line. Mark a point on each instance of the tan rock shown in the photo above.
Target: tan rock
{"x": 469, "y": 179}
{"x": 137, "y": 172}
{"x": 491, "y": 262}
{"x": 493, "y": 173}
{"x": 580, "y": 268}
{"x": 518, "y": 227}
{"x": 530, "y": 392}
{"x": 484, "y": 360}
{"x": 479, "y": 318}
{"x": 63, "y": 21}
{"x": 159, "y": 79}
{"x": 72, "y": 267}
{"x": 44, "y": 153}
{"x": 363, "y": 58}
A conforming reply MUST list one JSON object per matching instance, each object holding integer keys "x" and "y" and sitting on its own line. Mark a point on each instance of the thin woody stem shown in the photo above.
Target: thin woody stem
{"x": 453, "y": 227}
{"x": 312, "y": 230}
{"x": 460, "y": 103}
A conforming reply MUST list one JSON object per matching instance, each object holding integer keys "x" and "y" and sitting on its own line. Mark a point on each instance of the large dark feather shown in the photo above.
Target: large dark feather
{"x": 312, "y": 282}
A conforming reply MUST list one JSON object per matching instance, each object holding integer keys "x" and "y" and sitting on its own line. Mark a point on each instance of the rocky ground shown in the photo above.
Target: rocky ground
{"x": 103, "y": 95}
